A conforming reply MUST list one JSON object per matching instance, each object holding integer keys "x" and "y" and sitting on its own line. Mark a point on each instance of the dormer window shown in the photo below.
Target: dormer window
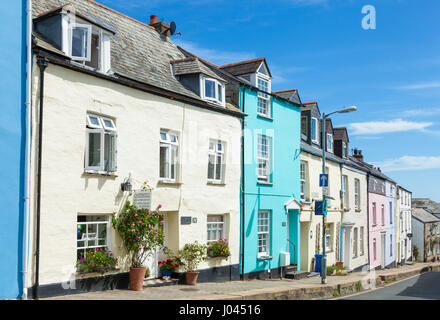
{"x": 212, "y": 90}
{"x": 315, "y": 128}
{"x": 344, "y": 149}
{"x": 86, "y": 43}
{"x": 329, "y": 142}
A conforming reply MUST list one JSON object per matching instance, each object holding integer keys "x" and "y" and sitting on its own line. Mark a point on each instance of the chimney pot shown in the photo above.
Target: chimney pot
{"x": 153, "y": 19}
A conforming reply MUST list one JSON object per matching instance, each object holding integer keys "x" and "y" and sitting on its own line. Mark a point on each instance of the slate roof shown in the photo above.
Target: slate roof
{"x": 318, "y": 152}
{"x": 424, "y": 216}
{"x": 290, "y": 94}
{"x": 244, "y": 67}
{"x": 426, "y": 203}
{"x": 340, "y": 134}
{"x": 138, "y": 51}
{"x": 193, "y": 65}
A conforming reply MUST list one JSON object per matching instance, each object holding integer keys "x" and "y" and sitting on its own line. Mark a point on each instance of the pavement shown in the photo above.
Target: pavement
{"x": 269, "y": 289}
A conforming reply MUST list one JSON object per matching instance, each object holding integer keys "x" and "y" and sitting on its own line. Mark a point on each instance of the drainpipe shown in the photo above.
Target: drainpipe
{"x": 242, "y": 187}
{"x": 42, "y": 63}
{"x": 342, "y": 219}
{"x": 28, "y": 149}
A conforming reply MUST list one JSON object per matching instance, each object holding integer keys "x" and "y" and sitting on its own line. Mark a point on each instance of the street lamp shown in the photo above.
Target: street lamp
{"x": 324, "y": 196}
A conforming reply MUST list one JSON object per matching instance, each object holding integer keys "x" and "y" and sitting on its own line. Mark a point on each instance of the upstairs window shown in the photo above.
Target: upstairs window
{"x": 89, "y": 45}
{"x": 391, "y": 213}
{"x": 357, "y": 193}
{"x": 303, "y": 179}
{"x": 263, "y": 158}
{"x": 345, "y": 191}
{"x": 329, "y": 142}
{"x": 101, "y": 144}
{"x": 304, "y": 128}
{"x": 315, "y": 130}
{"x": 383, "y": 214}
{"x": 212, "y": 90}
{"x": 216, "y": 161}
{"x": 263, "y": 98}
{"x": 169, "y": 145}
{"x": 374, "y": 214}
{"x": 344, "y": 149}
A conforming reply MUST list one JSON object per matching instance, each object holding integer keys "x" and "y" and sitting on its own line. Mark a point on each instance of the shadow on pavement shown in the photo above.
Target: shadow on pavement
{"x": 427, "y": 287}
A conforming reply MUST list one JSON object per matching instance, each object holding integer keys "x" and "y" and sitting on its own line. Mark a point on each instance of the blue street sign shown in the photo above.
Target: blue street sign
{"x": 323, "y": 180}
{"x": 321, "y": 208}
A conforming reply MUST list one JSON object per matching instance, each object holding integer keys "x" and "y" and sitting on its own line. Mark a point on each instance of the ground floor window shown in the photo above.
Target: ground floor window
{"x": 215, "y": 228}
{"x": 92, "y": 232}
{"x": 374, "y": 249}
{"x": 355, "y": 242}
{"x": 361, "y": 241}
{"x": 263, "y": 233}
{"x": 328, "y": 237}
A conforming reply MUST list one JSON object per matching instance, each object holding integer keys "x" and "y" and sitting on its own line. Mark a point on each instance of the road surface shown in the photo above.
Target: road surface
{"x": 422, "y": 287}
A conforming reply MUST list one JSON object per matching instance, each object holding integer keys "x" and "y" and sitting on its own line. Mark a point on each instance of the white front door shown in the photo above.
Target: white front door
{"x": 348, "y": 247}
{"x": 382, "y": 264}
{"x": 152, "y": 262}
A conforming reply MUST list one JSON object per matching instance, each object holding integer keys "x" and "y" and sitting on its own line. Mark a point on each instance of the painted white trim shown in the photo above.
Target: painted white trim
{"x": 316, "y": 140}
{"x": 217, "y": 83}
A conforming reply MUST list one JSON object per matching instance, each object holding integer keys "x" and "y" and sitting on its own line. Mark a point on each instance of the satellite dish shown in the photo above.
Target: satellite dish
{"x": 172, "y": 28}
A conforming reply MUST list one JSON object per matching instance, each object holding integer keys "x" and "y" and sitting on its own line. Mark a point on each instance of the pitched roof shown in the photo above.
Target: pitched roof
{"x": 426, "y": 203}
{"x": 424, "y": 216}
{"x": 193, "y": 65}
{"x": 245, "y": 67}
{"x": 290, "y": 94}
{"x": 138, "y": 51}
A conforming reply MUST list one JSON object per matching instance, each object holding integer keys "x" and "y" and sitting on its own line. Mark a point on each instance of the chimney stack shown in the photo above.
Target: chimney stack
{"x": 358, "y": 154}
{"x": 161, "y": 27}
{"x": 153, "y": 19}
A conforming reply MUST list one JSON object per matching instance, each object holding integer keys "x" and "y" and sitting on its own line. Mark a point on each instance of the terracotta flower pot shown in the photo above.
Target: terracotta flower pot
{"x": 191, "y": 277}
{"x": 137, "y": 276}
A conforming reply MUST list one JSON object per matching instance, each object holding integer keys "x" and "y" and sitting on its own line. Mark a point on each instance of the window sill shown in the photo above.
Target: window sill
{"x": 261, "y": 258}
{"x": 168, "y": 182}
{"x": 266, "y": 117}
{"x": 215, "y": 183}
{"x": 264, "y": 183}
{"x": 100, "y": 173}
{"x": 358, "y": 210}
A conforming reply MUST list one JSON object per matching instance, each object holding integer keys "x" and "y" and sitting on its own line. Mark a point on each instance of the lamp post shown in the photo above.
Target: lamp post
{"x": 324, "y": 196}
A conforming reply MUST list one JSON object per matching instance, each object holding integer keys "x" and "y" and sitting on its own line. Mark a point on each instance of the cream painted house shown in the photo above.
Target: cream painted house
{"x": 138, "y": 112}
{"x": 403, "y": 225}
{"x": 311, "y": 167}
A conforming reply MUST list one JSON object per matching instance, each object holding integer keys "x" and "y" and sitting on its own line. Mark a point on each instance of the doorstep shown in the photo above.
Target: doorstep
{"x": 160, "y": 282}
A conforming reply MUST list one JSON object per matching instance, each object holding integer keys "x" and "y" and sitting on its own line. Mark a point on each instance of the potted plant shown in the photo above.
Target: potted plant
{"x": 190, "y": 257}
{"x": 142, "y": 233}
{"x": 219, "y": 248}
{"x": 167, "y": 267}
{"x": 96, "y": 260}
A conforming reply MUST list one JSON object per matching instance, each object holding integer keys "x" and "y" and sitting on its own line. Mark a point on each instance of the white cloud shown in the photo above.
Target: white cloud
{"x": 420, "y": 86}
{"x": 421, "y": 112}
{"x": 378, "y": 127}
{"x": 409, "y": 163}
{"x": 213, "y": 55}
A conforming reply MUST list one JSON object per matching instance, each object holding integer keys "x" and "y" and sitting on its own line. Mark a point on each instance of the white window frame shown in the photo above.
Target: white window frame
{"x": 172, "y": 148}
{"x": 303, "y": 179}
{"x": 329, "y": 237}
{"x": 382, "y": 214}
{"x": 264, "y": 158}
{"x": 374, "y": 213}
{"x": 345, "y": 198}
{"x": 217, "y": 226}
{"x": 104, "y": 131}
{"x": 266, "y": 235}
{"x": 304, "y": 135}
{"x": 344, "y": 150}
{"x": 316, "y": 140}
{"x": 355, "y": 243}
{"x": 216, "y": 152}
{"x": 329, "y": 135}
{"x": 89, "y": 41}
{"x": 216, "y": 98}
{"x": 264, "y": 96}
{"x": 86, "y": 246}
{"x": 357, "y": 194}
{"x": 361, "y": 241}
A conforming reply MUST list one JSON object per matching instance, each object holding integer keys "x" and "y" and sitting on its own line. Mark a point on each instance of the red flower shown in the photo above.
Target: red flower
{"x": 172, "y": 266}
{"x": 160, "y": 262}
{"x": 175, "y": 265}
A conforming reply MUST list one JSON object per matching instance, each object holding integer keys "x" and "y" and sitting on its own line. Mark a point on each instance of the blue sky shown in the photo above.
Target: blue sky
{"x": 391, "y": 73}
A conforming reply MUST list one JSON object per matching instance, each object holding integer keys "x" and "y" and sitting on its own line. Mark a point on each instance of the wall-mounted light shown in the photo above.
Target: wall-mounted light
{"x": 126, "y": 185}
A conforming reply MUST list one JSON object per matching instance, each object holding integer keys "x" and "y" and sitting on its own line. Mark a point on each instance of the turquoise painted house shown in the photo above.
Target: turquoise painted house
{"x": 12, "y": 146}
{"x": 270, "y": 190}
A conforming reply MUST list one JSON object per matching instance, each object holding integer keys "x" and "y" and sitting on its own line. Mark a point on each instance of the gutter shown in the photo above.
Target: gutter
{"x": 28, "y": 104}
{"x": 42, "y": 63}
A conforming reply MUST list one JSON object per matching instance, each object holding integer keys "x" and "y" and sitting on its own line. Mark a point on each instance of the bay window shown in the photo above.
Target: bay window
{"x": 212, "y": 90}
{"x": 101, "y": 145}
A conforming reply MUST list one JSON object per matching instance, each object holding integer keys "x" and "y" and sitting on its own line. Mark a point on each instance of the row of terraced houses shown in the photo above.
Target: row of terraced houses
{"x": 112, "y": 100}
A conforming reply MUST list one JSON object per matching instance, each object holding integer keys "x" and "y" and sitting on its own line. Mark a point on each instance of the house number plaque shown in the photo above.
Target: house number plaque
{"x": 142, "y": 199}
